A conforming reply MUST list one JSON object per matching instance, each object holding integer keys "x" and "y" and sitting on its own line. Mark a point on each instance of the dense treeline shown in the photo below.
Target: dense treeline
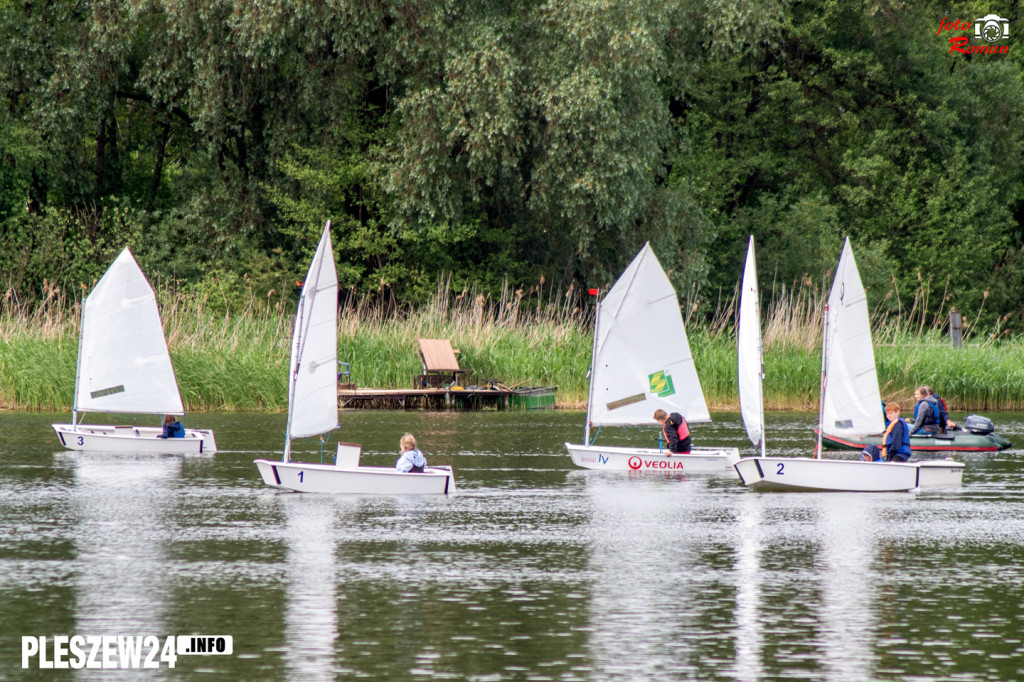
{"x": 524, "y": 140}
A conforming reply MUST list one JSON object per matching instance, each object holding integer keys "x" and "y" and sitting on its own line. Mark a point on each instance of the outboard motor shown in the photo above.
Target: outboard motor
{"x": 978, "y": 424}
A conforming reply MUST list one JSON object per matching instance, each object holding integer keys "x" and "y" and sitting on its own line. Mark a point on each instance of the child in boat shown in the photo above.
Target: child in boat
{"x": 676, "y": 430}
{"x": 412, "y": 460}
{"x": 172, "y": 428}
{"x": 897, "y": 436}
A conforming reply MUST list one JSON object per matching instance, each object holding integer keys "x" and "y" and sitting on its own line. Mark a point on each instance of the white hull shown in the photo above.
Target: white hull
{"x": 610, "y": 458}
{"x": 101, "y": 438}
{"x": 327, "y": 478}
{"x": 846, "y": 475}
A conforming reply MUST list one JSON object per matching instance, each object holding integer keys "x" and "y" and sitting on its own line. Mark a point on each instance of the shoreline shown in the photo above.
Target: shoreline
{"x": 239, "y": 362}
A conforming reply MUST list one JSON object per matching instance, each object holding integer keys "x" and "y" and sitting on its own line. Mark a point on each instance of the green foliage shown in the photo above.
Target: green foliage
{"x": 496, "y": 140}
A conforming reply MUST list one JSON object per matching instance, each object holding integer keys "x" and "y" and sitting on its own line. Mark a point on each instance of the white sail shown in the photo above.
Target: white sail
{"x": 642, "y": 360}
{"x": 313, "y": 386}
{"x": 748, "y": 341}
{"x": 851, "y": 402}
{"x": 123, "y": 363}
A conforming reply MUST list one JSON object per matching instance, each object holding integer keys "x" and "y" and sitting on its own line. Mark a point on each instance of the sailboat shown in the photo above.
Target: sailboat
{"x": 641, "y": 362}
{"x": 750, "y": 361}
{"x": 850, "y": 404}
{"x": 124, "y": 368}
{"x": 313, "y": 402}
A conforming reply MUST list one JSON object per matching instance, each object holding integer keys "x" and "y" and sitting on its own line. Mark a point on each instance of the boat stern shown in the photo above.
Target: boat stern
{"x": 940, "y": 473}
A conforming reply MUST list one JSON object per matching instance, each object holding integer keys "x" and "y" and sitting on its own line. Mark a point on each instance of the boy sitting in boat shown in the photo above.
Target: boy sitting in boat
{"x": 412, "y": 460}
{"x": 897, "y": 435}
{"x": 676, "y": 430}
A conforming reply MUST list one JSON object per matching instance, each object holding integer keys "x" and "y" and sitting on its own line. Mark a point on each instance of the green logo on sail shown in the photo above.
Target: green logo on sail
{"x": 661, "y": 384}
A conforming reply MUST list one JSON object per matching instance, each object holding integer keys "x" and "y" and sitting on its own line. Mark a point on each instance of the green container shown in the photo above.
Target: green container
{"x": 539, "y": 398}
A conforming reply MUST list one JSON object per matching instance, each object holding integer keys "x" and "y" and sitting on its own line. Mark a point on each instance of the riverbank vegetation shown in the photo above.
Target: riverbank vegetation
{"x": 236, "y": 358}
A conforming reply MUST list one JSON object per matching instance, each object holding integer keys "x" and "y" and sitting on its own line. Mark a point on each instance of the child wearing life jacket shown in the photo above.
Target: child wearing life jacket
{"x": 676, "y": 431}
{"x": 172, "y": 428}
{"x": 896, "y": 447}
{"x": 412, "y": 460}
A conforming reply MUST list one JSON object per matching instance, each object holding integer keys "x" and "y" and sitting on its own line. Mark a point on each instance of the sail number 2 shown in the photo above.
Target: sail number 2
{"x": 781, "y": 466}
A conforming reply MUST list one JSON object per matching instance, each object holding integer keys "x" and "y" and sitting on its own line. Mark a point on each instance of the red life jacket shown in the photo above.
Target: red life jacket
{"x": 683, "y": 429}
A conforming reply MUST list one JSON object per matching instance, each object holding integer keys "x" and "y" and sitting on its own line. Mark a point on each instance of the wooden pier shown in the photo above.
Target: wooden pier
{"x": 448, "y": 398}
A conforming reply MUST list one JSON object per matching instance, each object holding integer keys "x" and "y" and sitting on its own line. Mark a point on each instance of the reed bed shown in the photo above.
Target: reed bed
{"x": 911, "y": 349}
{"x": 237, "y": 359}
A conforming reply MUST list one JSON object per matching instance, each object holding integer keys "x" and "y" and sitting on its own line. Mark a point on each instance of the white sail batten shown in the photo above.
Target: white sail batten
{"x": 123, "y": 363}
{"x": 748, "y": 342}
{"x": 642, "y": 360}
{"x": 313, "y": 389}
{"x": 851, "y": 401}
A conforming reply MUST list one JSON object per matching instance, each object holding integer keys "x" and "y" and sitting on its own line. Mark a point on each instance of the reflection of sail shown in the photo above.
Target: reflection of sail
{"x": 311, "y": 612}
{"x": 840, "y": 596}
{"x": 121, "y": 504}
{"x": 749, "y": 642}
{"x": 642, "y": 586}
{"x": 848, "y": 593}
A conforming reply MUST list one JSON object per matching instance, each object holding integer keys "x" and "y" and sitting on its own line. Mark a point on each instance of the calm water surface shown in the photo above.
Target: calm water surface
{"x": 534, "y": 571}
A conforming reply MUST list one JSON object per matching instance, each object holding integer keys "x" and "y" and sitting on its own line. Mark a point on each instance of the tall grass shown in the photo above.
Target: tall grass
{"x": 911, "y": 349}
{"x": 536, "y": 338}
{"x": 238, "y": 359}
{"x": 222, "y": 360}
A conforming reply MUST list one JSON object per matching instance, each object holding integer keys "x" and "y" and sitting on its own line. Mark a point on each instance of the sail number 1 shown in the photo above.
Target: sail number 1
{"x": 300, "y": 476}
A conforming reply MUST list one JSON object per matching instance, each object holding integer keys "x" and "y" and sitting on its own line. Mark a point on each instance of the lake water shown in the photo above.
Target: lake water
{"x": 535, "y": 570}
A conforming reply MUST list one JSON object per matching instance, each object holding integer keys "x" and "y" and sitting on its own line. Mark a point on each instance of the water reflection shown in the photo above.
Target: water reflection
{"x": 534, "y": 571}
{"x": 311, "y": 598}
{"x": 681, "y": 562}
{"x": 847, "y": 532}
{"x": 747, "y": 569}
{"x": 644, "y": 574}
{"x": 121, "y": 503}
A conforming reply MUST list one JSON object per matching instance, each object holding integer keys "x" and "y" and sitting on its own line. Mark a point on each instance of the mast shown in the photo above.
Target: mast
{"x": 295, "y": 375}
{"x": 78, "y": 364}
{"x": 760, "y": 359}
{"x": 821, "y": 396}
{"x": 590, "y": 375}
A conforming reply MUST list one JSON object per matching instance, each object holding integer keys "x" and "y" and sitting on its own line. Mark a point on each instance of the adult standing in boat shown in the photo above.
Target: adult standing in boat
{"x": 412, "y": 460}
{"x": 676, "y": 430}
{"x": 897, "y": 435}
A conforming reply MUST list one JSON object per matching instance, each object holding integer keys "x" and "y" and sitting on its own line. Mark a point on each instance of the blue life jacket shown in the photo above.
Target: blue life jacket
{"x": 173, "y": 430}
{"x": 942, "y": 413}
{"x": 904, "y": 446}
{"x": 939, "y": 415}
{"x": 936, "y": 414}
